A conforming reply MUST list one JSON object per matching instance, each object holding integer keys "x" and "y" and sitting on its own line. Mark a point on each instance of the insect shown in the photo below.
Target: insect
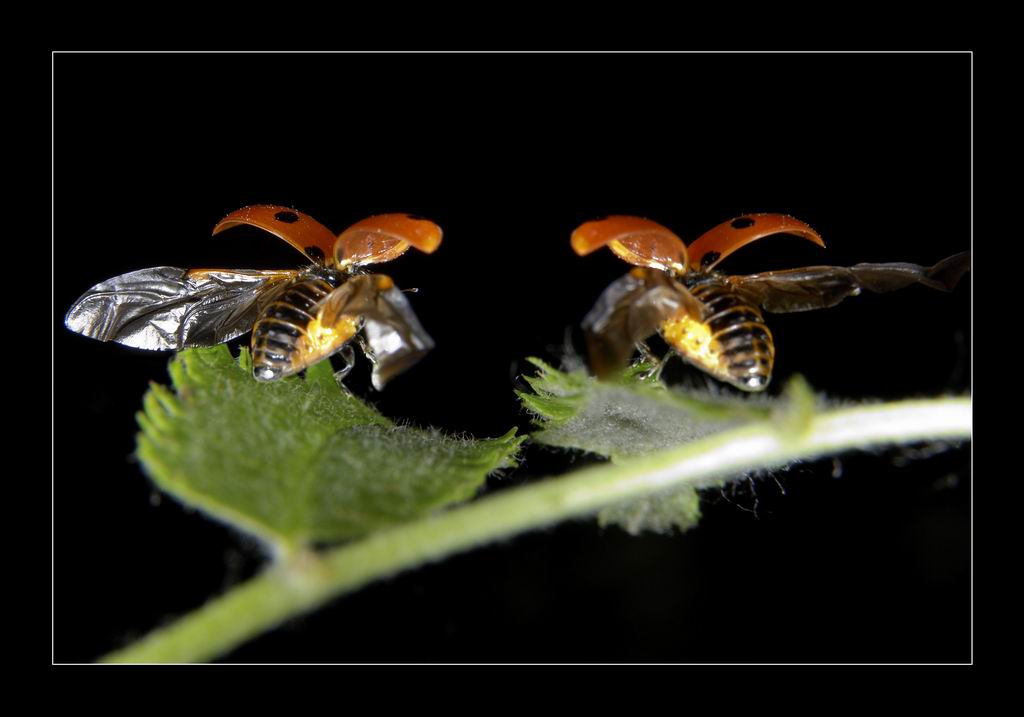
{"x": 712, "y": 320}
{"x": 297, "y": 316}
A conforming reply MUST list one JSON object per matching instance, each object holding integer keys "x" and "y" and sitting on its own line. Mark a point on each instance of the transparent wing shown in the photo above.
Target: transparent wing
{"x": 166, "y": 308}
{"x": 630, "y": 310}
{"x": 395, "y": 338}
{"x": 819, "y": 287}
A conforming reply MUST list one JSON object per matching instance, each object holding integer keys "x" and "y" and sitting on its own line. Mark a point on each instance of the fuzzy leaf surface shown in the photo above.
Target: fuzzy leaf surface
{"x": 637, "y": 415}
{"x": 299, "y": 460}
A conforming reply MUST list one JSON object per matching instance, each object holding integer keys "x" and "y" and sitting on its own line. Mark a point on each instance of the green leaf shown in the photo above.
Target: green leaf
{"x": 312, "y": 578}
{"x": 637, "y": 415}
{"x": 629, "y": 417}
{"x": 675, "y": 509}
{"x": 299, "y": 460}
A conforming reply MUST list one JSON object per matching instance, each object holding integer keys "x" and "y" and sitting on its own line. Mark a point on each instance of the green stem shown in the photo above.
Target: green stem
{"x": 308, "y": 580}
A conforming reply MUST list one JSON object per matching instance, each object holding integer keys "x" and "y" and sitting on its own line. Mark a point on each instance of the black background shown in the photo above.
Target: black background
{"x": 508, "y": 153}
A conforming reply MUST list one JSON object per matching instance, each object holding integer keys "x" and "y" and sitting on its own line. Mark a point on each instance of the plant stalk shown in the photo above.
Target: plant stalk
{"x": 307, "y": 580}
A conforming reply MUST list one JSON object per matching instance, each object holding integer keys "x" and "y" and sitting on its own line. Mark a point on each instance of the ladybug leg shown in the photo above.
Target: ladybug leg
{"x": 348, "y": 360}
{"x": 365, "y": 347}
{"x": 664, "y": 361}
{"x": 645, "y": 352}
{"x": 647, "y": 356}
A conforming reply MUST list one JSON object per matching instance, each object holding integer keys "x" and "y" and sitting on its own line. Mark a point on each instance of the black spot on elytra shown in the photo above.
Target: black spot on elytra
{"x": 417, "y": 218}
{"x": 287, "y": 217}
{"x": 742, "y": 223}
{"x": 708, "y": 259}
{"x": 315, "y": 253}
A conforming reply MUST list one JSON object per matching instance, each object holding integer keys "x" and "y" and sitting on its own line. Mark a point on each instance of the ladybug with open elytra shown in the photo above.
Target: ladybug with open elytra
{"x": 298, "y": 317}
{"x": 712, "y": 320}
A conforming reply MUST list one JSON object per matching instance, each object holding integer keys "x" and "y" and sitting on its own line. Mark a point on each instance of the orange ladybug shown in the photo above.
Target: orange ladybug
{"x": 297, "y": 316}
{"x": 712, "y": 320}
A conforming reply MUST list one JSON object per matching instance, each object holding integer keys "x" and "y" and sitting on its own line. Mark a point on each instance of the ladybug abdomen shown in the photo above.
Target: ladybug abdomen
{"x": 281, "y": 335}
{"x": 734, "y": 343}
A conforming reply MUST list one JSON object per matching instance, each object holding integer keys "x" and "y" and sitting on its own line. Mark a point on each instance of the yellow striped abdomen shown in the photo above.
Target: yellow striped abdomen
{"x": 288, "y": 337}
{"x": 732, "y": 343}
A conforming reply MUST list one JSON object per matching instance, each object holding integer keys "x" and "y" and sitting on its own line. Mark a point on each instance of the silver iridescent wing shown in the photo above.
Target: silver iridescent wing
{"x": 394, "y": 337}
{"x": 166, "y": 308}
